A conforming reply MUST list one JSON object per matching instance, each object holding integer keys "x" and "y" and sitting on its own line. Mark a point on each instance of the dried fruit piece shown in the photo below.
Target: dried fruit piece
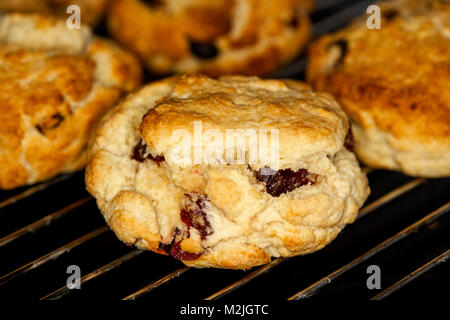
{"x": 139, "y": 151}
{"x": 179, "y": 254}
{"x": 203, "y": 50}
{"x": 165, "y": 247}
{"x": 174, "y": 248}
{"x": 283, "y": 181}
{"x": 194, "y": 214}
{"x": 140, "y": 154}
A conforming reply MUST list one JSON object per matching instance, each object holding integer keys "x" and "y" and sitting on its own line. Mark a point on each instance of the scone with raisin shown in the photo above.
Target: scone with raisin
{"x": 55, "y": 84}
{"x": 214, "y": 37}
{"x": 226, "y": 173}
{"x": 394, "y": 83}
{"x": 91, "y": 11}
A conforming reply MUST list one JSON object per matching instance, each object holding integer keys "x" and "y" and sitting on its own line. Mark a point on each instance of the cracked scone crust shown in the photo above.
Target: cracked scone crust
{"x": 222, "y": 215}
{"x": 55, "y": 84}
{"x": 214, "y": 37}
{"x": 91, "y": 11}
{"x": 394, "y": 83}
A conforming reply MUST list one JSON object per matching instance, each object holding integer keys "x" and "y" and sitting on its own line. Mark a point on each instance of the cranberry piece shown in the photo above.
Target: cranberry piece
{"x": 139, "y": 153}
{"x": 283, "y": 181}
{"x": 203, "y": 50}
{"x": 194, "y": 214}
{"x": 349, "y": 142}
{"x": 165, "y": 247}
{"x": 174, "y": 249}
{"x": 157, "y": 159}
{"x": 179, "y": 254}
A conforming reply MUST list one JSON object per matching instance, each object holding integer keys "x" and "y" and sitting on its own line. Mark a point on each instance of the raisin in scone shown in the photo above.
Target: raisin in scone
{"x": 394, "y": 83}
{"x": 214, "y": 37}
{"x": 225, "y": 210}
{"x": 55, "y": 84}
{"x": 91, "y": 11}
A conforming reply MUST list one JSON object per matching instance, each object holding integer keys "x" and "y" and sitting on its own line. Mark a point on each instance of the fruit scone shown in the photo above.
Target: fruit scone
{"x": 173, "y": 169}
{"x": 91, "y": 11}
{"x": 214, "y": 37}
{"x": 394, "y": 83}
{"x": 55, "y": 83}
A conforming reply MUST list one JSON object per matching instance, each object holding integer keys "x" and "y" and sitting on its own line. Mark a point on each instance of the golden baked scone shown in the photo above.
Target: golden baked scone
{"x": 214, "y": 37}
{"x": 55, "y": 83}
{"x": 394, "y": 83}
{"x": 220, "y": 211}
{"x": 92, "y": 11}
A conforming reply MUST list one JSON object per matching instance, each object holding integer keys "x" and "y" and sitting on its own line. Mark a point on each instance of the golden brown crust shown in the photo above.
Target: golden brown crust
{"x": 393, "y": 83}
{"x": 252, "y": 37}
{"x": 50, "y": 99}
{"x": 313, "y": 118}
{"x": 92, "y": 11}
{"x": 232, "y": 255}
{"x": 142, "y": 199}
